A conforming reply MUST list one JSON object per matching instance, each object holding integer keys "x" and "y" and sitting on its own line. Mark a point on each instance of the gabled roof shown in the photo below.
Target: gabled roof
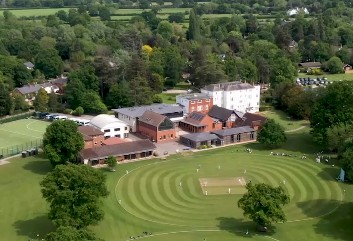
{"x": 233, "y": 131}
{"x": 117, "y": 149}
{"x": 90, "y": 131}
{"x": 199, "y": 137}
{"x": 113, "y": 141}
{"x": 195, "y": 118}
{"x": 229, "y": 86}
{"x": 27, "y": 89}
{"x": 249, "y": 119}
{"x": 152, "y": 118}
{"x": 220, "y": 113}
{"x": 311, "y": 64}
{"x": 29, "y": 64}
{"x": 121, "y": 149}
{"x": 138, "y": 111}
{"x": 60, "y": 81}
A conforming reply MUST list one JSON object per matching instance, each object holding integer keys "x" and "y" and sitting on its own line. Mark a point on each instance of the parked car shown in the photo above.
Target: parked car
{"x": 84, "y": 122}
{"x": 60, "y": 117}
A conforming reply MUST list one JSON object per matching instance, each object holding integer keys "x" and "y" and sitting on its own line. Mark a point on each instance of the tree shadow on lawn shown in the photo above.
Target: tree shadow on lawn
{"x": 38, "y": 164}
{"x": 334, "y": 225}
{"x": 329, "y": 173}
{"x": 31, "y": 228}
{"x": 240, "y": 227}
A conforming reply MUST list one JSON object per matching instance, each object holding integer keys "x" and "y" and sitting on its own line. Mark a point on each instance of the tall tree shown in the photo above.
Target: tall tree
{"x": 5, "y": 100}
{"x": 272, "y": 134}
{"x": 194, "y": 32}
{"x": 119, "y": 96}
{"x": 62, "y": 142}
{"x": 335, "y": 65}
{"x": 49, "y": 62}
{"x": 263, "y": 204}
{"x": 74, "y": 193}
{"x": 72, "y": 234}
{"x": 74, "y": 92}
{"x": 140, "y": 92}
{"x": 53, "y": 103}
{"x": 92, "y": 103}
{"x": 86, "y": 74}
{"x": 41, "y": 101}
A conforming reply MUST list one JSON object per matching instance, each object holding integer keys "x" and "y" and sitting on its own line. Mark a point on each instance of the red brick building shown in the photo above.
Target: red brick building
{"x": 197, "y": 102}
{"x": 252, "y": 120}
{"x": 199, "y": 122}
{"x": 225, "y": 116}
{"x": 92, "y": 137}
{"x": 156, "y": 127}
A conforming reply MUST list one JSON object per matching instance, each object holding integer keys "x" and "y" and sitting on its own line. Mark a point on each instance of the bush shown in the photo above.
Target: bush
{"x": 68, "y": 111}
{"x": 78, "y": 111}
{"x": 157, "y": 99}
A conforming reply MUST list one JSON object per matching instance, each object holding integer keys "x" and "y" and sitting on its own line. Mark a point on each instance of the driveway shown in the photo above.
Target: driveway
{"x": 170, "y": 147}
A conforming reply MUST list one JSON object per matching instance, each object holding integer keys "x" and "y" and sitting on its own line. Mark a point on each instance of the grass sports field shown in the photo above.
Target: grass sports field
{"x": 21, "y": 135}
{"x": 165, "y": 198}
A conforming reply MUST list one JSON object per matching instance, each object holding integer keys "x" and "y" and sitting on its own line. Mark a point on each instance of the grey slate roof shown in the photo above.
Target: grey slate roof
{"x": 220, "y": 113}
{"x": 138, "y": 111}
{"x": 152, "y": 118}
{"x": 233, "y": 131}
{"x": 236, "y": 85}
{"x": 195, "y": 96}
{"x": 29, "y": 65}
{"x": 27, "y": 89}
{"x": 120, "y": 149}
{"x": 198, "y": 137}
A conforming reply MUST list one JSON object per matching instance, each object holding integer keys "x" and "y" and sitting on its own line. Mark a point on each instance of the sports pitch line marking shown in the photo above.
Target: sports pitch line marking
{"x": 14, "y": 132}
{"x": 181, "y": 225}
{"x": 194, "y": 231}
{"x": 31, "y": 129}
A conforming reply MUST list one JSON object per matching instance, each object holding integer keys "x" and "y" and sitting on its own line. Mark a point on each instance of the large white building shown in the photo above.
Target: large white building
{"x": 238, "y": 96}
{"x": 111, "y": 126}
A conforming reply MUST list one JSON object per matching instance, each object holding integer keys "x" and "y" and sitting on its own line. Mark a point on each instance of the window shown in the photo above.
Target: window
{"x": 199, "y": 108}
{"x": 192, "y": 108}
{"x": 192, "y": 102}
{"x": 238, "y": 138}
{"x": 164, "y": 137}
{"x": 206, "y": 107}
{"x": 252, "y": 135}
{"x": 95, "y": 143}
{"x": 213, "y": 125}
{"x": 116, "y": 129}
{"x": 117, "y": 135}
{"x": 126, "y": 135}
{"x": 207, "y": 100}
{"x": 171, "y": 135}
{"x": 199, "y": 101}
{"x": 126, "y": 128}
{"x": 107, "y": 130}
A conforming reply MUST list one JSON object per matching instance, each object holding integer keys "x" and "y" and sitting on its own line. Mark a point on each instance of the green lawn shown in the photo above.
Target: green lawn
{"x": 21, "y": 135}
{"x": 285, "y": 121}
{"x": 168, "y": 98}
{"x": 153, "y": 201}
{"x": 35, "y": 12}
{"x": 331, "y": 77}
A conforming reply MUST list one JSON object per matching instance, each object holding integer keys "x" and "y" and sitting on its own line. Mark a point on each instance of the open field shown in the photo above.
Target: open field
{"x": 35, "y": 12}
{"x": 165, "y": 198}
{"x": 331, "y": 77}
{"x": 285, "y": 121}
{"x": 21, "y": 135}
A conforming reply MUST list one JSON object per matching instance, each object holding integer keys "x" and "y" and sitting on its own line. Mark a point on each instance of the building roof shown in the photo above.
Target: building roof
{"x": 233, "y": 131}
{"x": 249, "y": 118}
{"x": 195, "y": 119}
{"x": 29, "y": 64}
{"x": 138, "y": 111}
{"x": 195, "y": 96}
{"x": 220, "y": 113}
{"x": 229, "y": 86}
{"x": 152, "y": 118}
{"x": 199, "y": 137}
{"x": 114, "y": 141}
{"x": 102, "y": 120}
{"x": 311, "y": 64}
{"x": 117, "y": 149}
{"x": 89, "y": 131}
{"x": 60, "y": 81}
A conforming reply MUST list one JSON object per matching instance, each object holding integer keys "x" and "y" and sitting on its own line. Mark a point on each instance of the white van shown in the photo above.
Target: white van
{"x": 84, "y": 122}
{"x": 60, "y": 117}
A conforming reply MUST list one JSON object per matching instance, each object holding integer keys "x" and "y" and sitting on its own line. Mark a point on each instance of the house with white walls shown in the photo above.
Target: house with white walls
{"x": 242, "y": 97}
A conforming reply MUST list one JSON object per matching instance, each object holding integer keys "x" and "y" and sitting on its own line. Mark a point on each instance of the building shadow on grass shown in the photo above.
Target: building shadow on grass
{"x": 35, "y": 228}
{"x": 38, "y": 164}
{"x": 337, "y": 224}
{"x": 240, "y": 227}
